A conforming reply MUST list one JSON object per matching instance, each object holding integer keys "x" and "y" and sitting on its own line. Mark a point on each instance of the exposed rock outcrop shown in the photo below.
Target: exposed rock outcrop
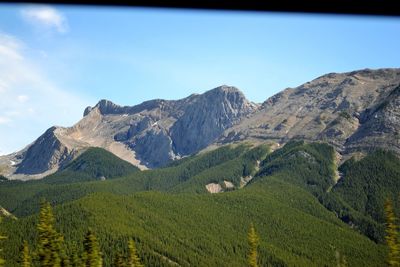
{"x": 45, "y": 154}
{"x": 354, "y": 111}
{"x": 6, "y": 213}
{"x": 207, "y": 116}
{"x": 214, "y": 188}
{"x": 148, "y": 135}
{"x": 380, "y": 126}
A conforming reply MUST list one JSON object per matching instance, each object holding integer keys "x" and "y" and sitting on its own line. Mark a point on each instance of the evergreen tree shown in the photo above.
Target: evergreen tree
{"x": 50, "y": 243}
{"x": 392, "y": 235}
{"x": 92, "y": 255}
{"x": 253, "y": 240}
{"x": 75, "y": 259}
{"x": 2, "y": 261}
{"x": 340, "y": 259}
{"x": 63, "y": 255}
{"x": 134, "y": 260}
{"x": 26, "y": 257}
{"x": 119, "y": 260}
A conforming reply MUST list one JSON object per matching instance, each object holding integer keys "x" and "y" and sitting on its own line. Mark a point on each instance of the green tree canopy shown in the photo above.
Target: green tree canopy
{"x": 392, "y": 235}
{"x": 119, "y": 260}
{"x": 26, "y": 260}
{"x": 50, "y": 244}
{"x": 92, "y": 254}
{"x": 133, "y": 260}
{"x": 2, "y": 261}
{"x": 253, "y": 240}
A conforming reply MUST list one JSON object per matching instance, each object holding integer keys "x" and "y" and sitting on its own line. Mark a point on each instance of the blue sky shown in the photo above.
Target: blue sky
{"x": 56, "y": 60}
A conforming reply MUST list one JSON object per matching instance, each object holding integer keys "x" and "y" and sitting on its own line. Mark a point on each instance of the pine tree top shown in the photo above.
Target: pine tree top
{"x": 134, "y": 260}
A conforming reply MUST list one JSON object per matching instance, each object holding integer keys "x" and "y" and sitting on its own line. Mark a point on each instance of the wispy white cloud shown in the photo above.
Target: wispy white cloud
{"x": 22, "y": 98}
{"x": 4, "y": 120}
{"x": 9, "y": 47}
{"x": 45, "y": 17}
{"x": 30, "y": 100}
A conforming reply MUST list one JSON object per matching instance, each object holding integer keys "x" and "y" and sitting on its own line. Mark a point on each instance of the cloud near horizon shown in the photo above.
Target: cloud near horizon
{"x": 30, "y": 102}
{"x": 45, "y": 17}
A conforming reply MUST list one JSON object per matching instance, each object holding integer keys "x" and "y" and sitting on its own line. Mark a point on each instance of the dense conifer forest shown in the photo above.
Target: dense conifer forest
{"x": 291, "y": 213}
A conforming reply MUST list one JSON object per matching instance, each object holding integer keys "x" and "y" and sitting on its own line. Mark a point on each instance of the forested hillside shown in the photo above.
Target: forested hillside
{"x": 303, "y": 217}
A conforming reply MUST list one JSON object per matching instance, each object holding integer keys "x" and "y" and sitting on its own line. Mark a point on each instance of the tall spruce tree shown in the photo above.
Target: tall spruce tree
{"x": 253, "y": 241}
{"x": 392, "y": 235}
{"x": 75, "y": 260}
{"x": 133, "y": 260}
{"x": 92, "y": 255}
{"x": 51, "y": 251}
{"x": 26, "y": 260}
{"x": 340, "y": 259}
{"x": 2, "y": 261}
{"x": 119, "y": 260}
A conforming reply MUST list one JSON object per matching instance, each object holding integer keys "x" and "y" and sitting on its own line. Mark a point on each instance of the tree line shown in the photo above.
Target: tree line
{"x": 392, "y": 235}
{"x": 50, "y": 250}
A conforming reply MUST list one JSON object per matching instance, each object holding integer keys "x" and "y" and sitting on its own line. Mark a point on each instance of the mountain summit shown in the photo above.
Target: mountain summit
{"x": 148, "y": 135}
{"x": 354, "y": 111}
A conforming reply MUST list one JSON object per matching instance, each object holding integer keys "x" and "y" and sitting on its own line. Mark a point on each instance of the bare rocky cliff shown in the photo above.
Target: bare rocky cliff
{"x": 207, "y": 117}
{"x": 148, "y": 135}
{"x": 45, "y": 154}
{"x": 354, "y": 111}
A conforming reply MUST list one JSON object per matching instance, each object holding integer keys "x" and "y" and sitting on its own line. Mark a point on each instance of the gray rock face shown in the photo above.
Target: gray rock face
{"x": 355, "y": 111}
{"x": 183, "y": 127}
{"x": 154, "y": 147}
{"x": 380, "y": 126}
{"x": 207, "y": 117}
{"x": 44, "y": 154}
{"x": 148, "y": 135}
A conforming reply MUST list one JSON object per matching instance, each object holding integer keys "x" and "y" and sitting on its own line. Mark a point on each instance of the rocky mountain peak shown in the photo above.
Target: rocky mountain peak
{"x": 353, "y": 111}
{"x": 148, "y": 135}
{"x": 44, "y": 154}
{"x": 105, "y": 107}
{"x": 208, "y": 116}
{"x": 232, "y": 97}
{"x": 228, "y": 92}
{"x": 224, "y": 88}
{"x": 343, "y": 109}
{"x": 87, "y": 111}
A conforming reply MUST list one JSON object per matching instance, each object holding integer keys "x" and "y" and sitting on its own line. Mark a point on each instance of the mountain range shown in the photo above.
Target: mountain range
{"x": 310, "y": 168}
{"x": 355, "y": 112}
